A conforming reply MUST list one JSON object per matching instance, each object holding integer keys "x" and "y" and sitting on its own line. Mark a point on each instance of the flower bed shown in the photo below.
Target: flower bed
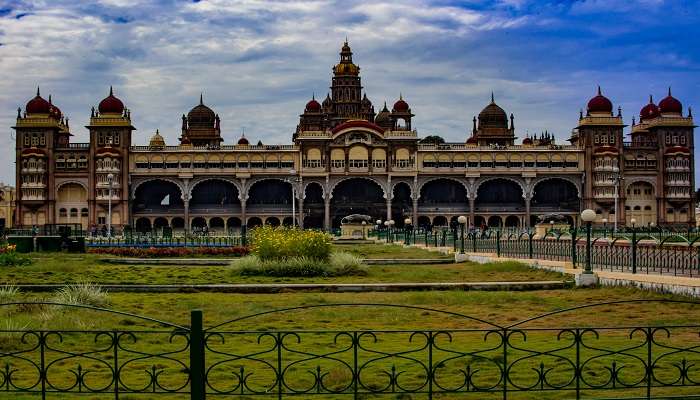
{"x": 155, "y": 252}
{"x": 270, "y": 243}
{"x": 10, "y": 257}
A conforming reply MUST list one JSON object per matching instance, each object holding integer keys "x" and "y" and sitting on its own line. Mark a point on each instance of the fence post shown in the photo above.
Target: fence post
{"x": 529, "y": 245}
{"x": 197, "y": 365}
{"x": 498, "y": 243}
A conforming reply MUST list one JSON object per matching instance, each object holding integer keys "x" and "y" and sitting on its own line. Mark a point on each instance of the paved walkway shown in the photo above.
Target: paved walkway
{"x": 319, "y": 287}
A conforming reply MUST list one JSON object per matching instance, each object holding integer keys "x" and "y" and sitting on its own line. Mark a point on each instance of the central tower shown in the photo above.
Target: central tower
{"x": 347, "y": 101}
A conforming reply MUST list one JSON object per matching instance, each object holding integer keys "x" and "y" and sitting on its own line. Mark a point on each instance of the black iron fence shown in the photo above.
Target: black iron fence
{"x": 489, "y": 361}
{"x": 631, "y": 251}
{"x": 156, "y": 241}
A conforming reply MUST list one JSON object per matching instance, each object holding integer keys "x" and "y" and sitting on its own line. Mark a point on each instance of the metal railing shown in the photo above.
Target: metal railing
{"x": 635, "y": 251}
{"x": 474, "y": 358}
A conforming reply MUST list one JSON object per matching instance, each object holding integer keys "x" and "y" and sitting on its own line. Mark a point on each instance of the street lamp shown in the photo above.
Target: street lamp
{"x": 364, "y": 223}
{"x": 605, "y": 227}
{"x": 110, "y": 181}
{"x": 391, "y": 229}
{"x": 634, "y": 245}
{"x": 386, "y": 228}
{"x": 407, "y": 227}
{"x": 462, "y": 222}
{"x": 588, "y": 216}
{"x": 551, "y": 226}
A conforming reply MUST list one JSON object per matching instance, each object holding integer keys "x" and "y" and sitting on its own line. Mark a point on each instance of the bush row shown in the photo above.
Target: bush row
{"x": 339, "y": 264}
{"x": 170, "y": 251}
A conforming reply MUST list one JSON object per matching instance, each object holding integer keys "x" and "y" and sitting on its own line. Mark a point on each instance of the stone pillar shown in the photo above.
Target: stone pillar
{"x": 388, "y": 209}
{"x": 300, "y": 212}
{"x": 414, "y": 217}
{"x": 244, "y": 218}
{"x": 527, "y": 212}
{"x": 187, "y": 214}
{"x": 472, "y": 217}
{"x": 327, "y": 213}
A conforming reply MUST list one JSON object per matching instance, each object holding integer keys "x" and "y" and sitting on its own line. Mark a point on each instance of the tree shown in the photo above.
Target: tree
{"x": 432, "y": 139}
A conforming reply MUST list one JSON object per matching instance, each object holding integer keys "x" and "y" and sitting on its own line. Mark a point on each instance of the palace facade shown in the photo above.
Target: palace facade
{"x": 346, "y": 158}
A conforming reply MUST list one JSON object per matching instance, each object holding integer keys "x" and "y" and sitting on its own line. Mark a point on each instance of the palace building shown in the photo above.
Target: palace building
{"x": 346, "y": 158}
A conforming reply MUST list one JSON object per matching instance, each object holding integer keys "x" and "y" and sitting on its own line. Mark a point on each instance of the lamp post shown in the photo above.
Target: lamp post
{"x": 110, "y": 181}
{"x": 386, "y": 228}
{"x": 551, "y": 226}
{"x": 588, "y": 216}
{"x": 605, "y": 228}
{"x": 407, "y": 228}
{"x": 391, "y": 229}
{"x": 364, "y": 227}
{"x": 617, "y": 177}
{"x": 462, "y": 222}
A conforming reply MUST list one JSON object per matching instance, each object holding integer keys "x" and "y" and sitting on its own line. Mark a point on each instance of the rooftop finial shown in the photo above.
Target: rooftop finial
{"x": 201, "y": 98}
{"x": 50, "y": 100}
{"x": 111, "y": 91}
{"x": 37, "y": 91}
{"x": 651, "y": 99}
{"x": 492, "y": 100}
{"x": 669, "y": 91}
{"x": 400, "y": 96}
{"x": 313, "y": 95}
{"x": 599, "y": 92}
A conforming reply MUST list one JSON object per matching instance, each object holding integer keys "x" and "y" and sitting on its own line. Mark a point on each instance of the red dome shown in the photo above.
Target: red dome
{"x": 527, "y": 141}
{"x": 600, "y": 103}
{"x": 400, "y": 105}
{"x": 55, "y": 112}
{"x": 38, "y": 105}
{"x": 313, "y": 106}
{"x": 243, "y": 140}
{"x": 670, "y": 104}
{"x": 111, "y": 104}
{"x": 649, "y": 111}
{"x": 472, "y": 140}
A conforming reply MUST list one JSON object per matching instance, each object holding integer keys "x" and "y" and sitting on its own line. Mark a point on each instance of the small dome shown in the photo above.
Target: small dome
{"x": 527, "y": 141}
{"x": 649, "y": 111}
{"x": 185, "y": 141}
{"x": 111, "y": 104}
{"x": 383, "y": 117}
{"x": 599, "y": 104}
{"x": 472, "y": 140}
{"x": 401, "y": 105}
{"x": 313, "y": 105}
{"x": 157, "y": 140}
{"x": 243, "y": 141}
{"x": 670, "y": 105}
{"x": 493, "y": 116}
{"x": 201, "y": 116}
{"x": 37, "y": 105}
{"x": 346, "y": 69}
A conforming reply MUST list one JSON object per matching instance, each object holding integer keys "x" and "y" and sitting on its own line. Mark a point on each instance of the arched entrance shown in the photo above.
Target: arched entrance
{"x": 313, "y": 206}
{"x": 357, "y": 196}
{"x": 158, "y": 196}
{"x": 441, "y": 193}
{"x": 272, "y": 221}
{"x": 512, "y": 221}
{"x": 214, "y": 194}
{"x": 143, "y": 225}
{"x": 440, "y": 221}
{"x": 499, "y": 195}
{"x": 160, "y": 223}
{"x": 424, "y": 222}
{"x": 555, "y": 194}
{"x": 199, "y": 224}
{"x": 254, "y": 222}
{"x": 495, "y": 222}
{"x": 401, "y": 204}
{"x": 216, "y": 224}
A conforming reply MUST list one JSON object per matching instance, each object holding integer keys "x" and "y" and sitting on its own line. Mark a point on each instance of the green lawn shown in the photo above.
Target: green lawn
{"x": 392, "y": 347}
{"x": 69, "y": 268}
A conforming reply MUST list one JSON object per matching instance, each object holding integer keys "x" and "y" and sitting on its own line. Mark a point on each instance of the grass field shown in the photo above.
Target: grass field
{"x": 62, "y": 268}
{"x": 319, "y": 335}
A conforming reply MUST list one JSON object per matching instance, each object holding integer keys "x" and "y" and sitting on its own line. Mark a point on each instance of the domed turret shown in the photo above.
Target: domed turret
{"x": 600, "y": 104}
{"x": 157, "y": 140}
{"x": 472, "y": 140}
{"x": 54, "y": 112}
{"x": 670, "y": 105}
{"x": 493, "y": 116}
{"x": 243, "y": 141}
{"x": 313, "y": 105}
{"x": 111, "y": 104}
{"x": 37, "y": 105}
{"x": 527, "y": 141}
{"x": 649, "y": 111}
{"x": 401, "y": 105}
{"x": 201, "y": 116}
{"x": 346, "y": 66}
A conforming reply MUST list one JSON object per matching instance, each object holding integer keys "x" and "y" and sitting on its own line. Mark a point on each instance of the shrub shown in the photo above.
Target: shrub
{"x": 170, "y": 251}
{"x": 340, "y": 264}
{"x": 346, "y": 264}
{"x": 9, "y": 294}
{"x": 284, "y": 242}
{"x": 9, "y": 256}
{"x": 85, "y": 294}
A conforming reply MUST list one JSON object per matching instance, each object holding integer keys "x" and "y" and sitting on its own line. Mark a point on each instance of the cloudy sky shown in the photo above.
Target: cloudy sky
{"x": 258, "y": 62}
